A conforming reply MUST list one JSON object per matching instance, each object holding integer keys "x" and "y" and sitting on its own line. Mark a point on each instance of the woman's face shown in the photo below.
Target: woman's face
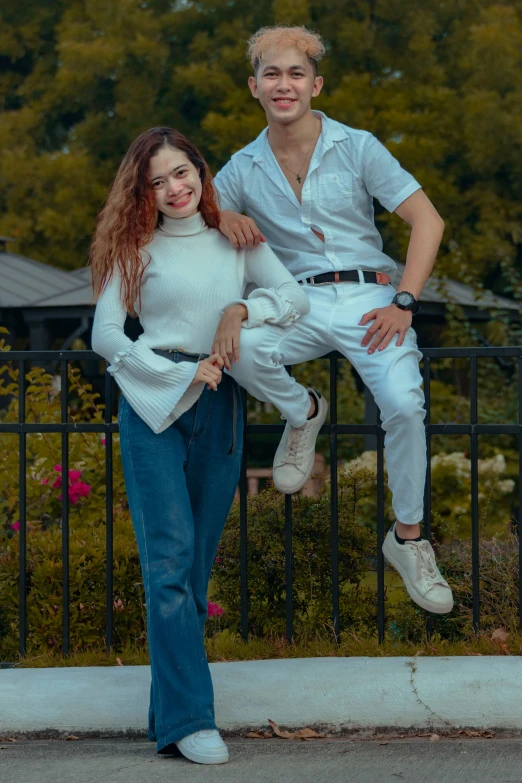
{"x": 175, "y": 182}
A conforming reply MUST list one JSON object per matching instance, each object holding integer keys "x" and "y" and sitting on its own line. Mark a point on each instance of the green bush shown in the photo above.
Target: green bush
{"x": 450, "y": 493}
{"x": 87, "y": 528}
{"x": 311, "y": 564}
{"x": 311, "y": 588}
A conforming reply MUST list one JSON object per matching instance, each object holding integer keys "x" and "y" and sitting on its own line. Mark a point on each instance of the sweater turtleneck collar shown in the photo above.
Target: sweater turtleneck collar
{"x": 183, "y": 227}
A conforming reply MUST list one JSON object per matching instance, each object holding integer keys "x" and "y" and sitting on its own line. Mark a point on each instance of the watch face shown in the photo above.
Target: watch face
{"x": 404, "y": 298}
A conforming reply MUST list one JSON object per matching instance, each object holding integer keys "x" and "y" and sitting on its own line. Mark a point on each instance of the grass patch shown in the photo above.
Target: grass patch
{"x": 228, "y": 646}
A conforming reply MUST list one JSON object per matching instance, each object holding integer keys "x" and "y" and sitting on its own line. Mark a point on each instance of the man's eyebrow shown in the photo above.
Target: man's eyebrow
{"x": 276, "y": 68}
{"x": 162, "y": 176}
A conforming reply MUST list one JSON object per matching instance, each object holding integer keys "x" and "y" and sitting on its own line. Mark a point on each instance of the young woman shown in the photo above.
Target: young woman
{"x": 158, "y": 253}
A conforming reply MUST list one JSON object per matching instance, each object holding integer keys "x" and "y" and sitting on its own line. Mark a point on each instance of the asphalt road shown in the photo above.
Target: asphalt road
{"x": 268, "y": 761}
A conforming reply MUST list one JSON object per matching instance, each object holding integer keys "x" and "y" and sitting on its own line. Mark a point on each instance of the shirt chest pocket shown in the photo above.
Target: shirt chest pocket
{"x": 335, "y": 191}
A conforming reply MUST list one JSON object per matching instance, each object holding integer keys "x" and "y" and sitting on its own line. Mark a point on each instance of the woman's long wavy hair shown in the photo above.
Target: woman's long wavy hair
{"x": 130, "y": 216}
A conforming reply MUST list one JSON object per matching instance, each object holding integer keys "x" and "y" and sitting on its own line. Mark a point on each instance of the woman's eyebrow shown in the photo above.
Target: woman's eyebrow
{"x": 162, "y": 176}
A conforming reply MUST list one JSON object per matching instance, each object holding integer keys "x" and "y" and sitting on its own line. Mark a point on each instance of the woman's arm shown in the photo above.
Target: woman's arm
{"x": 279, "y": 300}
{"x": 159, "y": 390}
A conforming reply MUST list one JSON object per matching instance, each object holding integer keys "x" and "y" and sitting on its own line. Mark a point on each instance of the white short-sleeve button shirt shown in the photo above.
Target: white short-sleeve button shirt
{"x": 349, "y": 168}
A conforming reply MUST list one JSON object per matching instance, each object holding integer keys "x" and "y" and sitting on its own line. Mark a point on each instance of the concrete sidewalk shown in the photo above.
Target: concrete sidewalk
{"x": 268, "y": 761}
{"x": 340, "y": 695}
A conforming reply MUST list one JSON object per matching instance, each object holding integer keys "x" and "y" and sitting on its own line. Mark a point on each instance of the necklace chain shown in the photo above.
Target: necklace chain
{"x": 297, "y": 173}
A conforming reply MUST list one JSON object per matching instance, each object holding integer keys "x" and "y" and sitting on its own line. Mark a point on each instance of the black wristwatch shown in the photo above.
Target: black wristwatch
{"x": 406, "y": 301}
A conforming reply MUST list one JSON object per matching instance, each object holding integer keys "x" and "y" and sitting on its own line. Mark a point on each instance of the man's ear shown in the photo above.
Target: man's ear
{"x": 252, "y": 83}
{"x": 318, "y": 86}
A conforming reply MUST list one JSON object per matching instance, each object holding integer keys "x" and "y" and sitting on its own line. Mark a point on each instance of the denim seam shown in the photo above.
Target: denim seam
{"x": 129, "y": 452}
{"x": 204, "y": 429}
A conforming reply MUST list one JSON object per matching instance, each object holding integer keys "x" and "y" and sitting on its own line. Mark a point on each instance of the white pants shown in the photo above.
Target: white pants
{"x": 392, "y": 375}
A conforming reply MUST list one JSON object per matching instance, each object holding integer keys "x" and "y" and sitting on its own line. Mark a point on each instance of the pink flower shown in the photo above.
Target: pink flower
{"x": 44, "y": 481}
{"x": 77, "y": 491}
{"x": 218, "y": 560}
{"x": 104, "y": 441}
{"x": 58, "y": 483}
{"x": 214, "y": 610}
{"x": 58, "y": 468}
{"x": 16, "y": 525}
{"x": 82, "y": 489}
{"x": 74, "y": 476}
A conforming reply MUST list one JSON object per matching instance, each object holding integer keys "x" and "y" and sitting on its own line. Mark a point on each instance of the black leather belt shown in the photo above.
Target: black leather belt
{"x": 349, "y": 276}
{"x": 171, "y": 354}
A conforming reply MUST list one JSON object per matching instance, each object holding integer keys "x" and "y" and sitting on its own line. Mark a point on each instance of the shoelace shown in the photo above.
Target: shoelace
{"x": 295, "y": 446}
{"x": 428, "y": 567}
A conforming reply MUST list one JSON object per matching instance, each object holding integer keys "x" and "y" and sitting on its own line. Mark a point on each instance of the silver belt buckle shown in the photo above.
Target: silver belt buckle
{"x": 312, "y": 282}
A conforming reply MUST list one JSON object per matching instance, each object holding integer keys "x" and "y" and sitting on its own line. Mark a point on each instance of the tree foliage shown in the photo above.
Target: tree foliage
{"x": 439, "y": 83}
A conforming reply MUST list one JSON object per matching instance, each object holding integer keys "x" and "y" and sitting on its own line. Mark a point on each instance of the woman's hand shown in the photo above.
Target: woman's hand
{"x": 387, "y": 322}
{"x": 209, "y": 372}
{"x": 240, "y": 230}
{"x": 226, "y": 339}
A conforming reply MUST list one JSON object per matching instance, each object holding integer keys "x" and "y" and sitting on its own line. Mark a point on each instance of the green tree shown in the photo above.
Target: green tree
{"x": 439, "y": 83}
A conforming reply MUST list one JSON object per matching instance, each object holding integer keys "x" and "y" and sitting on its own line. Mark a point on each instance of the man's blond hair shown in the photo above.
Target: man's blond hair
{"x": 282, "y": 37}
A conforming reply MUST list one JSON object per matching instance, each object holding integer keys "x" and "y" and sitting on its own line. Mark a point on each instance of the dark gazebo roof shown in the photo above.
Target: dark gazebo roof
{"x": 25, "y": 283}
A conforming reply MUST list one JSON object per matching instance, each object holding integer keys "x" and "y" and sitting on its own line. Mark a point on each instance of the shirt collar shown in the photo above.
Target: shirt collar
{"x": 331, "y": 132}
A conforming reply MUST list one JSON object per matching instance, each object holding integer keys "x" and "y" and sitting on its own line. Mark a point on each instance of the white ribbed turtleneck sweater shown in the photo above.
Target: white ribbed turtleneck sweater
{"x": 193, "y": 275}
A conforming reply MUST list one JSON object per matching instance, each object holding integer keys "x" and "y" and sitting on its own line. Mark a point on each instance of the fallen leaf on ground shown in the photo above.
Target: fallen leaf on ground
{"x": 118, "y": 661}
{"x": 11, "y": 739}
{"x": 258, "y": 735}
{"x": 308, "y": 734}
{"x": 71, "y": 737}
{"x": 383, "y": 743}
{"x": 303, "y": 734}
{"x": 500, "y": 637}
{"x": 484, "y": 733}
{"x": 434, "y": 738}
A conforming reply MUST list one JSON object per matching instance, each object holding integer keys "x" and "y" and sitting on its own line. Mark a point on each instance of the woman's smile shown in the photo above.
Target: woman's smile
{"x": 180, "y": 201}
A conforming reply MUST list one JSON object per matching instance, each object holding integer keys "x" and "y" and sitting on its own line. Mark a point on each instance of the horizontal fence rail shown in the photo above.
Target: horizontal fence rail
{"x": 334, "y": 429}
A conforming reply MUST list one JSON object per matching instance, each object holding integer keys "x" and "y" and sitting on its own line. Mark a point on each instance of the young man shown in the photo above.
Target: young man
{"x": 308, "y": 183}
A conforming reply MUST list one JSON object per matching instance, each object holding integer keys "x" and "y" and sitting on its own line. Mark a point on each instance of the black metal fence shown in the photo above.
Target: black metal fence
{"x": 334, "y": 429}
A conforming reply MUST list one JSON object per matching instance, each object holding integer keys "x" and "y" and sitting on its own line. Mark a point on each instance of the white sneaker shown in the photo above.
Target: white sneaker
{"x": 204, "y": 747}
{"x": 294, "y": 458}
{"x": 415, "y": 562}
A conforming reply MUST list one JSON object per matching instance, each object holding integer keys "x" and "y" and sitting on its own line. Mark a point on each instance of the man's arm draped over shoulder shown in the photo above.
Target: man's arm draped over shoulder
{"x": 239, "y": 229}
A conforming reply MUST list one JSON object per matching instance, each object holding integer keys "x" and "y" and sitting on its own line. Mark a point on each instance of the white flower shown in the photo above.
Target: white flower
{"x": 506, "y": 486}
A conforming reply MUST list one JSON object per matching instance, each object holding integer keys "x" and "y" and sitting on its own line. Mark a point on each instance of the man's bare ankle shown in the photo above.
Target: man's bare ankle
{"x": 407, "y": 532}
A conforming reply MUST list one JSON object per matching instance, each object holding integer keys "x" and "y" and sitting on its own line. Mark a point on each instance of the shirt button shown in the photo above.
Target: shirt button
{"x": 335, "y": 178}
{"x": 306, "y": 220}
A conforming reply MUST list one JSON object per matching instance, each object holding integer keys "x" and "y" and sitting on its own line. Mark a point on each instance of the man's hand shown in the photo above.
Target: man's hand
{"x": 240, "y": 230}
{"x": 209, "y": 372}
{"x": 226, "y": 339}
{"x": 387, "y": 322}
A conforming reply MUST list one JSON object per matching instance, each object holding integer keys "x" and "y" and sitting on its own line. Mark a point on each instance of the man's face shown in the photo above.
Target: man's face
{"x": 285, "y": 85}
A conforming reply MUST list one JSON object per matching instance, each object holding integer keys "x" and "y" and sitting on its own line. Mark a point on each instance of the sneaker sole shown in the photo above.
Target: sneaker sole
{"x": 202, "y": 758}
{"x": 414, "y": 595}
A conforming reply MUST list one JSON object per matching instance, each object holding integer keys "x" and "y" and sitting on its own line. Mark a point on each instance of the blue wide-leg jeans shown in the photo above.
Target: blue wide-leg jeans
{"x": 180, "y": 486}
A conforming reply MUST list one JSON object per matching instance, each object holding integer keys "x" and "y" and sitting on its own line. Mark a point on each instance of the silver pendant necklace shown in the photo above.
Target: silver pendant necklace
{"x": 297, "y": 174}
